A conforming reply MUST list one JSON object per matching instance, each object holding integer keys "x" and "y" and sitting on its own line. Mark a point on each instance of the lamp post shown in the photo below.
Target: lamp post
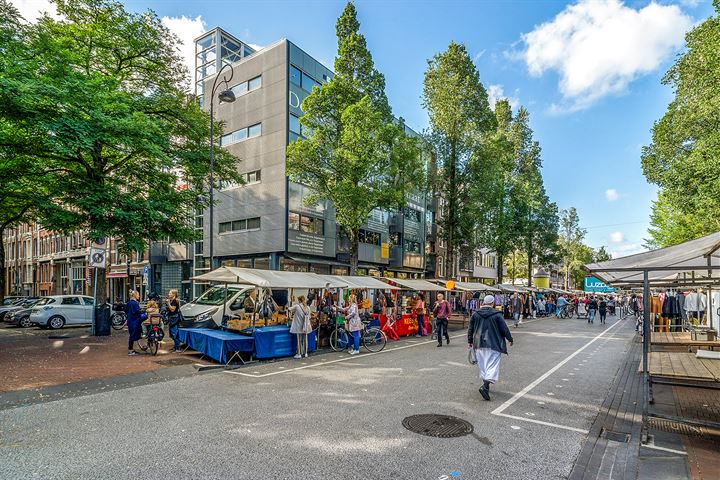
{"x": 227, "y": 96}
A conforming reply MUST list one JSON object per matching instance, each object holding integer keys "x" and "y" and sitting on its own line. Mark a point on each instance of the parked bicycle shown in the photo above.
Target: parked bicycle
{"x": 118, "y": 319}
{"x": 154, "y": 335}
{"x": 372, "y": 338}
{"x": 567, "y": 311}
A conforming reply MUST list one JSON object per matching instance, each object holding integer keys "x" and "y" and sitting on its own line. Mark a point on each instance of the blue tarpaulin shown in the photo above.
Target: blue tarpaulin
{"x": 277, "y": 341}
{"x": 215, "y": 343}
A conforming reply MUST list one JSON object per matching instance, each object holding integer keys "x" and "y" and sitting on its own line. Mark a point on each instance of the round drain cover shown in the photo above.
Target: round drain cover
{"x": 441, "y": 426}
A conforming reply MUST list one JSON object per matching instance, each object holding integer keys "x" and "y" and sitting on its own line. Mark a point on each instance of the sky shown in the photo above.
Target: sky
{"x": 589, "y": 72}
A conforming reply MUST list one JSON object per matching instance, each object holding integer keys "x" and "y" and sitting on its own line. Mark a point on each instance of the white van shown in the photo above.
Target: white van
{"x": 210, "y": 304}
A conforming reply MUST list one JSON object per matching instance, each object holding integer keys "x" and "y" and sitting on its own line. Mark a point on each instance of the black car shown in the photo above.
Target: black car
{"x": 18, "y": 304}
{"x": 21, "y": 317}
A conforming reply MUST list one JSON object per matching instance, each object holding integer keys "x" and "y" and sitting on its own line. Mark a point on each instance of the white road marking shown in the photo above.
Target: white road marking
{"x": 664, "y": 449}
{"x": 547, "y": 424}
{"x": 329, "y": 362}
{"x": 498, "y": 411}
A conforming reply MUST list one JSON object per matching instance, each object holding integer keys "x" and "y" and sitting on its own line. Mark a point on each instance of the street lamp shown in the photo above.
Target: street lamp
{"x": 227, "y": 96}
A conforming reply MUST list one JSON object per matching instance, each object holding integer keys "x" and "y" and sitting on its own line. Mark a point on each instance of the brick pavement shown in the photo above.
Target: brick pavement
{"x": 704, "y": 449}
{"x": 31, "y": 360}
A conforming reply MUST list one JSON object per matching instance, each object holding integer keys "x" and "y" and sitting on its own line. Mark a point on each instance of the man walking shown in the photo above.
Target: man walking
{"x": 442, "y": 312}
{"x": 516, "y": 307}
{"x": 486, "y": 335}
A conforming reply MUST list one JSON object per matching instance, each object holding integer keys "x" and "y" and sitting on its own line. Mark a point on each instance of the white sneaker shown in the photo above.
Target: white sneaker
{"x": 306, "y": 355}
{"x": 354, "y": 352}
{"x": 298, "y": 356}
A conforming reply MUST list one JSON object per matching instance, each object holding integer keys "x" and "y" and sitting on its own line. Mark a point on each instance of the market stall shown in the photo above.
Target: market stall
{"x": 273, "y": 339}
{"x": 407, "y": 323}
{"x": 688, "y": 266}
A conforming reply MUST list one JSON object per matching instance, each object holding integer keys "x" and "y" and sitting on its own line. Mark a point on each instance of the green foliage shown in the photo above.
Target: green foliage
{"x": 574, "y": 252}
{"x": 457, "y": 105}
{"x": 601, "y": 255}
{"x": 99, "y": 100}
{"x": 357, "y": 156}
{"x": 684, "y": 156}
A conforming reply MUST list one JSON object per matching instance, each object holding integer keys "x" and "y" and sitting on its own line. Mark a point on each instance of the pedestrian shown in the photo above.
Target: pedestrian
{"x": 487, "y": 334}
{"x": 301, "y": 326}
{"x": 420, "y": 314}
{"x": 390, "y": 307}
{"x": 561, "y": 303}
{"x": 602, "y": 310}
{"x": 516, "y": 309}
{"x": 442, "y": 312}
{"x": 611, "y": 306}
{"x": 134, "y": 321}
{"x": 353, "y": 324}
{"x": 173, "y": 314}
{"x": 592, "y": 309}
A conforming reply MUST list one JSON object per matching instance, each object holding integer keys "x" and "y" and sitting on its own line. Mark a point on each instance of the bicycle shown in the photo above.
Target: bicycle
{"x": 567, "y": 311}
{"x": 372, "y": 338}
{"x": 118, "y": 319}
{"x": 154, "y": 337}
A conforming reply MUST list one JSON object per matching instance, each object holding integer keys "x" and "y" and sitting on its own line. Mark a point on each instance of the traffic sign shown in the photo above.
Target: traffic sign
{"x": 97, "y": 258}
{"x": 146, "y": 270}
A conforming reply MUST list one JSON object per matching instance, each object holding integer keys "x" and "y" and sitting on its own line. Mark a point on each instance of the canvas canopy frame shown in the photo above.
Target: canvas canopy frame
{"x": 694, "y": 263}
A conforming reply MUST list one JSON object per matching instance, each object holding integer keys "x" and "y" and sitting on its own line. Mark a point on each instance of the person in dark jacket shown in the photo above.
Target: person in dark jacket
{"x": 592, "y": 307}
{"x": 602, "y": 310}
{"x": 486, "y": 335}
{"x": 134, "y": 321}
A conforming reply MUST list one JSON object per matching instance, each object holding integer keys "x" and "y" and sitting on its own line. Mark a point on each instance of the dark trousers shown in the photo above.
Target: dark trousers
{"x": 603, "y": 315}
{"x": 442, "y": 330}
{"x": 175, "y": 334}
{"x": 421, "y": 325}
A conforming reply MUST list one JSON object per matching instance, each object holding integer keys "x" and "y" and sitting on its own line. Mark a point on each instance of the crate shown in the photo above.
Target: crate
{"x": 703, "y": 334}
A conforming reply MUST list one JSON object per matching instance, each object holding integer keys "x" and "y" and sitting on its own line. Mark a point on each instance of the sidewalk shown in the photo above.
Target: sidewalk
{"x": 675, "y": 451}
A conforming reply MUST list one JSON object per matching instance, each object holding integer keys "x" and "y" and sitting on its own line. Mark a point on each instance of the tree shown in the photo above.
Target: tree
{"x": 459, "y": 112}
{"x": 601, "y": 255}
{"x": 100, "y": 97}
{"x": 573, "y": 251}
{"x": 684, "y": 156}
{"x": 357, "y": 155}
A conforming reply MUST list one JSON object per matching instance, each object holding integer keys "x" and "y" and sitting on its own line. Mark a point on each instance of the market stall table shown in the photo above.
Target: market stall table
{"x": 680, "y": 339}
{"x": 217, "y": 344}
{"x": 277, "y": 341}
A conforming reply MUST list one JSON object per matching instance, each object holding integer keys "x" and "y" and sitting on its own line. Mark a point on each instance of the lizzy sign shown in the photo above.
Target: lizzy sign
{"x": 592, "y": 284}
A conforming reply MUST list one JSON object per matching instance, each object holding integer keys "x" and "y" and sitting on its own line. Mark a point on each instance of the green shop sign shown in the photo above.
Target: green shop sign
{"x": 592, "y": 284}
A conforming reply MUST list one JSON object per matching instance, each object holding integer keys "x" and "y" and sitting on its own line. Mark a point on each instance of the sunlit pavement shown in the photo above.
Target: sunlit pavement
{"x": 335, "y": 416}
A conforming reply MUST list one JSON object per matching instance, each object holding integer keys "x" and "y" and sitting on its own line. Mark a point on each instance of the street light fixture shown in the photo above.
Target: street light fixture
{"x": 227, "y": 96}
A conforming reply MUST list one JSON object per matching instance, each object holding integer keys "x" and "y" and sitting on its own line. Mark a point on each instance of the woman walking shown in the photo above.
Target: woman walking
{"x": 602, "y": 310}
{"x": 592, "y": 307}
{"x": 173, "y": 312}
{"x": 301, "y": 326}
{"x": 420, "y": 313}
{"x": 353, "y": 323}
{"x": 134, "y": 321}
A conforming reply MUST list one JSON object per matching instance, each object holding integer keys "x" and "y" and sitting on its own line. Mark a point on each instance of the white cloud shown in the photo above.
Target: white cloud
{"x": 495, "y": 93}
{"x": 186, "y": 29}
{"x": 625, "y": 249}
{"x": 617, "y": 237}
{"x": 478, "y": 55}
{"x": 611, "y": 194}
{"x": 599, "y": 46}
{"x": 31, "y": 10}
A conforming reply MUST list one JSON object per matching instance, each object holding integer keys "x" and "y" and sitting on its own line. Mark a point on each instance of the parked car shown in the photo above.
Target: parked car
{"x": 56, "y": 311}
{"x": 21, "y": 317}
{"x": 208, "y": 308}
{"x": 19, "y": 303}
{"x": 10, "y": 299}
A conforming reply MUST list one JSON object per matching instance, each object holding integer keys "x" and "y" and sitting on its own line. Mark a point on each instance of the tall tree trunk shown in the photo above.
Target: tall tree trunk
{"x": 354, "y": 253}
{"x": 3, "y": 273}
{"x": 500, "y": 261}
{"x": 451, "y": 213}
{"x": 529, "y": 263}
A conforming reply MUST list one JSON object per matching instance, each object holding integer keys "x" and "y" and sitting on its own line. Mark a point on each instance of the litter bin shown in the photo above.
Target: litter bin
{"x": 102, "y": 320}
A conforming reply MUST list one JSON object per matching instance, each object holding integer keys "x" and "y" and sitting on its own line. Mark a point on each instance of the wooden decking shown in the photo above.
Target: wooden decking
{"x": 685, "y": 366}
{"x": 680, "y": 339}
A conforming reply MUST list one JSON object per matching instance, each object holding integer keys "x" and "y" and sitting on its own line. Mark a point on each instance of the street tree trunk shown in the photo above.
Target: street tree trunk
{"x": 451, "y": 213}
{"x": 354, "y": 252}
{"x": 500, "y": 261}
{"x": 529, "y": 263}
{"x": 3, "y": 274}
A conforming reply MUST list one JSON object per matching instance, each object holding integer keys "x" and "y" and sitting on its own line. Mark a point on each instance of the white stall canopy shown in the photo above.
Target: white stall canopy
{"x": 475, "y": 287}
{"x": 361, "y": 282}
{"x": 693, "y": 262}
{"x": 417, "y": 285}
{"x": 271, "y": 278}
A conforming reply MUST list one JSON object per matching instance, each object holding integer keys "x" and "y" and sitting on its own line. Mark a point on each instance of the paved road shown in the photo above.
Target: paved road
{"x": 334, "y": 416}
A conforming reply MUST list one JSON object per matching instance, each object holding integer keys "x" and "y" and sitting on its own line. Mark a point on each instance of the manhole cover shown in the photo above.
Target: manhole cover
{"x": 441, "y": 426}
{"x": 615, "y": 436}
{"x": 175, "y": 361}
{"x": 675, "y": 427}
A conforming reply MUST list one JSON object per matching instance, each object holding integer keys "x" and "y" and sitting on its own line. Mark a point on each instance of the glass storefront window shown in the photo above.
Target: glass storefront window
{"x": 262, "y": 263}
{"x": 293, "y": 221}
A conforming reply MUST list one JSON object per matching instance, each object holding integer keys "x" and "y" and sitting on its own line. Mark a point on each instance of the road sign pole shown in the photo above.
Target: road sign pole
{"x": 94, "y": 322}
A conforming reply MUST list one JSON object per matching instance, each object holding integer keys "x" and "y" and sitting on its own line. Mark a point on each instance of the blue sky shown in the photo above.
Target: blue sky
{"x": 589, "y": 72}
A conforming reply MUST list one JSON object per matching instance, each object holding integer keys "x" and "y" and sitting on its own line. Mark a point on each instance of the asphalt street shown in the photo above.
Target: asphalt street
{"x": 335, "y": 416}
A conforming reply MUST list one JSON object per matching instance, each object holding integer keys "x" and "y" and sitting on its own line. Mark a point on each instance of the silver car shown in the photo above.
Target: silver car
{"x": 59, "y": 310}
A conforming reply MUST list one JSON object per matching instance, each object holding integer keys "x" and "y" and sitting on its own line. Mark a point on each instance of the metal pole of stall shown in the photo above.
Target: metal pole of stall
{"x": 646, "y": 350}
{"x": 709, "y": 294}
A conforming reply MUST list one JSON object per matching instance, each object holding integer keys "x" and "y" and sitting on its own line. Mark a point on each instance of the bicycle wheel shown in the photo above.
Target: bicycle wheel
{"x": 118, "y": 321}
{"x": 152, "y": 346}
{"x": 374, "y": 339}
{"x": 339, "y": 340}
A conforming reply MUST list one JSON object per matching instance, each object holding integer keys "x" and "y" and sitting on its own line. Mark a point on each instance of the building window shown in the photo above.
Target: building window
{"x": 241, "y": 134}
{"x": 305, "y": 224}
{"x": 249, "y": 86}
{"x": 295, "y": 75}
{"x": 295, "y": 124}
{"x": 412, "y": 214}
{"x": 368, "y": 237}
{"x": 308, "y": 82}
{"x": 411, "y": 247}
{"x": 244, "y": 225}
{"x": 250, "y": 179}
